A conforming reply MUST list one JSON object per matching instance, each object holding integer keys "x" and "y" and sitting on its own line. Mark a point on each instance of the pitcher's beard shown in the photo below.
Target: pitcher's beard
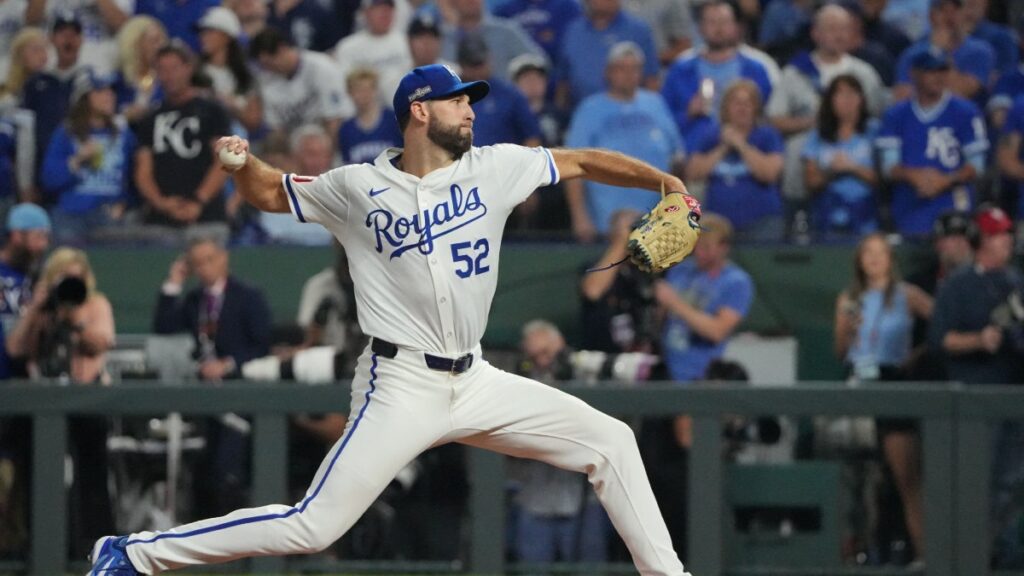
{"x": 449, "y": 138}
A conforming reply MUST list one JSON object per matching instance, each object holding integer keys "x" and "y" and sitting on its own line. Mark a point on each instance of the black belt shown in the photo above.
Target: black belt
{"x": 453, "y": 366}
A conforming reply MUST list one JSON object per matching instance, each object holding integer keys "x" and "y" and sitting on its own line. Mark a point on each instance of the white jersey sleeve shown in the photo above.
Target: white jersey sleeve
{"x": 321, "y": 199}
{"x": 524, "y": 170}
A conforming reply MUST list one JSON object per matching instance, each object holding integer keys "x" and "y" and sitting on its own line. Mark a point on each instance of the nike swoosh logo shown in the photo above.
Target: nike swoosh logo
{"x": 375, "y": 192}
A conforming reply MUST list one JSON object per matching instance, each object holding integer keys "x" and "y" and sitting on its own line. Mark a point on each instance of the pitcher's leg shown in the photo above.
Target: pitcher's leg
{"x": 395, "y": 416}
{"x": 517, "y": 416}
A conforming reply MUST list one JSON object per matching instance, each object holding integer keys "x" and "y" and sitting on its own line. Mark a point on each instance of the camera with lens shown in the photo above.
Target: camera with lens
{"x": 68, "y": 293}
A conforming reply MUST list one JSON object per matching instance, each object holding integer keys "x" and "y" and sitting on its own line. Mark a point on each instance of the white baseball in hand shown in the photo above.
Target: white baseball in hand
{"x": 231, "y": 159}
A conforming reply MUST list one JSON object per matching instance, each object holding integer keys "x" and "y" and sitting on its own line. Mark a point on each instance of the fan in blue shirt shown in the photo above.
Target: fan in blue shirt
{"x": 544, "y": 20}
{"x": 973, "y": 60}
{"x": 88, "y": 164}
{"x": 1000, "y": 38}
{"x": 706, "y": 297}
{"x": 373, "y": 129}
{"x": 1008, "y": 88}
{"x": 695, "y": 83}
{"x": 839, "y": 162}
{"x": 179, "y": 17}
{"x": 932, "y": 148}
{"x": 741, "y": 158}
{"x": 28, "y": 237}
{"x": 627, "y": 119}
{"x": 504, "y": 117}
{"x": 584, "y": 53}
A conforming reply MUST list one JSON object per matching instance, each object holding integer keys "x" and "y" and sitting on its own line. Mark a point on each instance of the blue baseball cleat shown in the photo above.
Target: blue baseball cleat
{"x": 109, "y": 558}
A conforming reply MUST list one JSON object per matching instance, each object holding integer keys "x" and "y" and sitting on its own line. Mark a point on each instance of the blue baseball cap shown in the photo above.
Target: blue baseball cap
{"x": 27, "y": 216}
{"x": 432, "y": 83}
{"x": 930, "y": 60}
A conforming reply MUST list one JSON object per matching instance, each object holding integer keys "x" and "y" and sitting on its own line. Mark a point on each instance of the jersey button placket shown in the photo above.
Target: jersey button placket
{"x": 439, "y": 276}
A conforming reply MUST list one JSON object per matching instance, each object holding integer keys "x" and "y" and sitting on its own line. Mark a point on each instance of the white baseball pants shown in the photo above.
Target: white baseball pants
{"x": 401, "y": 408}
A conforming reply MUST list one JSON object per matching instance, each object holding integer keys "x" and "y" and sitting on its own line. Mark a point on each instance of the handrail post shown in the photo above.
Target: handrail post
{"x": 939, "y": 493}
{"x": 269, "y": 474}
{"x": 49, "y": 497}
{"x": 487, "y": 501}
{"x": 705, "y": 479}
{"x": 973, "y": 491}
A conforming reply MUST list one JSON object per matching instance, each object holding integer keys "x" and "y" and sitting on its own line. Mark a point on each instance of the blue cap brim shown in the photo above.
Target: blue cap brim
{"x": 475, "y": 90}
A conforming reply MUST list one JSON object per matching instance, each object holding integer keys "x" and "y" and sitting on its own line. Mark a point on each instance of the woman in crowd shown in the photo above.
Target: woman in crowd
{"x": 225, "y": 63}
{"x": 136, "y": 87}
{"x": 28, "y": 56}
{"x": 88, "y": 164}
{"x": 873, "y": 330}
{"x": 66, "y": 332}
{"x": 741, "y": 159}
{"x": 839, "y": 164}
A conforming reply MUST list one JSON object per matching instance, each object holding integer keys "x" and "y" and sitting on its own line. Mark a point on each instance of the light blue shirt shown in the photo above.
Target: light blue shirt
{"x": 722, "y": 74}
{"x": 910, "y": 16}
{"x": 847, "y": 203}
{"x": 686, "y": 354}
{"x": 642, "y": 128}
{"x": 883, "y": 337}
{"x": 584, "y": 54}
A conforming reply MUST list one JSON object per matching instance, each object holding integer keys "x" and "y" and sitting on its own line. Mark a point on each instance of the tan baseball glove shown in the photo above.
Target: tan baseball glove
{"x": 666, "y": 234}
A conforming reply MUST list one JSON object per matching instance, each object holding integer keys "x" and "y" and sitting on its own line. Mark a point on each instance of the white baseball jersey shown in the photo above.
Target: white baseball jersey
{"x": 311, "y": 95}
{"x": 424, "y": 252}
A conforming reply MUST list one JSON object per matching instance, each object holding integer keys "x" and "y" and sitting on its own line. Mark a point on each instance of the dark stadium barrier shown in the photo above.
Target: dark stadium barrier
{"x": 956, "y": 445}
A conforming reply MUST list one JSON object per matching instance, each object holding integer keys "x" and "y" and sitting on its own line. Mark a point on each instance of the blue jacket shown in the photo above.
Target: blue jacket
{"x": 90, "y": 187}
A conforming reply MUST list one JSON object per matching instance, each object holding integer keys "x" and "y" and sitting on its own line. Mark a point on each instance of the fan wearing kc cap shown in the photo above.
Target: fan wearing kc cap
{"x": 422, "y": 228}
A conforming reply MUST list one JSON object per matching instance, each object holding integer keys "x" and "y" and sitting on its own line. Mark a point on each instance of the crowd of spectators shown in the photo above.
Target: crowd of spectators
{"x": 793, "y": 120}
{"x": 802, "y": 120}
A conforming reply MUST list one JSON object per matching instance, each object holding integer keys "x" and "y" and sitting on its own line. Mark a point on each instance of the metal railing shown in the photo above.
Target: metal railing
{"x": 955, "y": 422}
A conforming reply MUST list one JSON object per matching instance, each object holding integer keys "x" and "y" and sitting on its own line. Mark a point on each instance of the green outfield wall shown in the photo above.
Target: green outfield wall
{"x": 796, "y": 288}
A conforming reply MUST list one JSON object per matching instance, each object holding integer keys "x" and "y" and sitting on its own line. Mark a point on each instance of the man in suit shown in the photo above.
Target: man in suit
{"x": 229, "y": 319}
{"x": 230, "y": 322}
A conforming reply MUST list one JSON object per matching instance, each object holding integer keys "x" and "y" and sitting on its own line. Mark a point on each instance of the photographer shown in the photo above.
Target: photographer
{"x": 327, "y": 311}
{"x": 556, "y": 517}
{"x": 618, "y": 304}
{"x": 65, "y": 333}
{"x": 68, "y": 327}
